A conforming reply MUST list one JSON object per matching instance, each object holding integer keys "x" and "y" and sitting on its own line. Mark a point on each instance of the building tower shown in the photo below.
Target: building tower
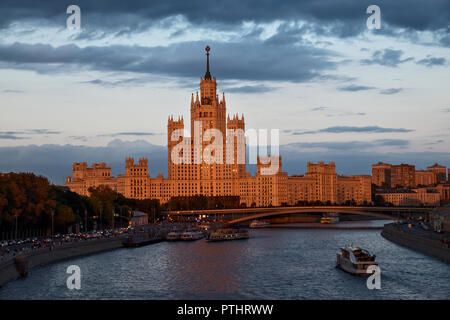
{"x": 173, "y": 125}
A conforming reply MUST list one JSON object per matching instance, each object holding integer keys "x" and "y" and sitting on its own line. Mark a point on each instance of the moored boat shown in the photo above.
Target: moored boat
{"x": 174, "y": 236}
{"x": 355, "y": 260}
{"x": 259, "y": 224}
{"x": 227, "y": 234}
{"x": 191, "y": 235}
{"x": 140, "y": 239}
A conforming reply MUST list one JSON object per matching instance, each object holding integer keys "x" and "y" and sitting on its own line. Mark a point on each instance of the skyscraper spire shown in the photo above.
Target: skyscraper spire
{"x": 207, "y": 74}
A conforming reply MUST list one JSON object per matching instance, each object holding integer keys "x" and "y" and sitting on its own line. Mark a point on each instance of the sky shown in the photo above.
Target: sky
{"x": 312, "y": 69}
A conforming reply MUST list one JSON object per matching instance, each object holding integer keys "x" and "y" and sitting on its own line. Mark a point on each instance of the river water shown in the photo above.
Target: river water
{"x": 272, "y": 264}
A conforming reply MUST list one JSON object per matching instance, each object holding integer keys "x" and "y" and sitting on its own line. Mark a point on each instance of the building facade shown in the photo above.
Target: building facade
{"x": 425, "y": 178}
{"x": 196, "y": 174}
{"x": 381, "y": 174}
{"x": 393, "y": 176}
{"x": 440, "y": 171}
{"x": 411, "y": 198}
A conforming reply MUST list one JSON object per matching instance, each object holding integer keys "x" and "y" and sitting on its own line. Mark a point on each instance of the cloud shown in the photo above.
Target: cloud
{"x": 16, "y": 135}
{"x": 250, "y": 60}
{"x": 353, "y": 88}
{"x": 431, "y": 62}
{"x": 346, "y": 114}
{"x": 387, "y": 57}
{"x": 319, "y": 109}
{"x": 9, "y": 136}
{"x": 12, "y": 91}
{"x": 391, "y": 91}
{"x": 130, "y": 82}
{"x": 250, "y": 89}
{"x": 118, "y": 134}
{"x": 347, "y": 129}
{"x": 342, "y": 18}
{"x": 351, "y": 145}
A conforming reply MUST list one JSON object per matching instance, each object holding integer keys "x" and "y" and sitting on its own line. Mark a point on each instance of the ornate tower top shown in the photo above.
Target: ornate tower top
{"x": 207, "y": 74}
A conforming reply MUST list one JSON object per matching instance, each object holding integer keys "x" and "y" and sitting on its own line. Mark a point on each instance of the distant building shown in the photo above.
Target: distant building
{"x": 139, "y": 218}
{"x": 321, "y": 183}
{"x": 425, "y": 178}
{"x": 226, "y": 179}
{"x": 440, "y": 171}
{"x": 444, "y": 191}
{"x": 393, "y": 176}
{"x": 403, "y": 175}
{"x": 85, "y": 177}
{"x": 381, "y": 174}
{"x": 354, "y": 189}
{"x": 410, "y": 198}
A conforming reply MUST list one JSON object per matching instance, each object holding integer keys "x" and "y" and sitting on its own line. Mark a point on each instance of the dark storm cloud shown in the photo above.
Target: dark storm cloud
{"x": 340, "y": 17}
{"x": 387, "y": 57}
{"x": 351, "y": 129}
{"x": 251, "y": 60}
{"x": 354, "y": 87}
{"x": 431, "y": 62}
{"x": 391, "y": 91}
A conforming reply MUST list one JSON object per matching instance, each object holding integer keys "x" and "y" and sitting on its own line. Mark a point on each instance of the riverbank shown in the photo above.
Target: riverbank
{"x": 9, "y": 269}
{"x": 424, "y": 242}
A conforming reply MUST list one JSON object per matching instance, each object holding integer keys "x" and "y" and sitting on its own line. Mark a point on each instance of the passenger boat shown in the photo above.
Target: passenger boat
{"x": 140, "y": 239}
{"x": 191, "y": 235}
{"x": 174, "y": 236}
{"x": 355, "y": 260}
{"x": 259, "y": 224}
{"x": 330, "y": 218}
{"x": 227, "y": 234}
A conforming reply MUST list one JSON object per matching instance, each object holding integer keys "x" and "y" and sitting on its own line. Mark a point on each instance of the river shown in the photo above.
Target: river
{"x": 272, "y": 264}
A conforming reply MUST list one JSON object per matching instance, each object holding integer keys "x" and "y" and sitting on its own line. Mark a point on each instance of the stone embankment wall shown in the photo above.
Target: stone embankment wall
{"x": 419, "y": 243}
{"x": 8, "y": 269}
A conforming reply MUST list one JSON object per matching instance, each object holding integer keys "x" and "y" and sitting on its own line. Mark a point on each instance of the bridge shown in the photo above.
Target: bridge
{"x": 243, "y": 215}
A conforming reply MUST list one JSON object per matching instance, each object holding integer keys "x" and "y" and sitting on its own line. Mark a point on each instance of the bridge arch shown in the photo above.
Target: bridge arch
{"x": 308, "y": 210}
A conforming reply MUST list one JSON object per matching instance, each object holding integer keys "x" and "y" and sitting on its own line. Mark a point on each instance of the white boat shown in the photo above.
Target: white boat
{"x": 355, "y": 260}
{"x": 259, "y": 224}
{"x": 173, "y": 236}
{"x": 191, "y": 235}
{"x": 227, "y": 234}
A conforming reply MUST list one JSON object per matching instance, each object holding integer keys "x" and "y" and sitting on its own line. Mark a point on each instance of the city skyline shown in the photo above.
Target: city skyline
{"x": 211, "y": 161}
{"x": 337, "y": 82}
{"x": 224, "y": 158}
